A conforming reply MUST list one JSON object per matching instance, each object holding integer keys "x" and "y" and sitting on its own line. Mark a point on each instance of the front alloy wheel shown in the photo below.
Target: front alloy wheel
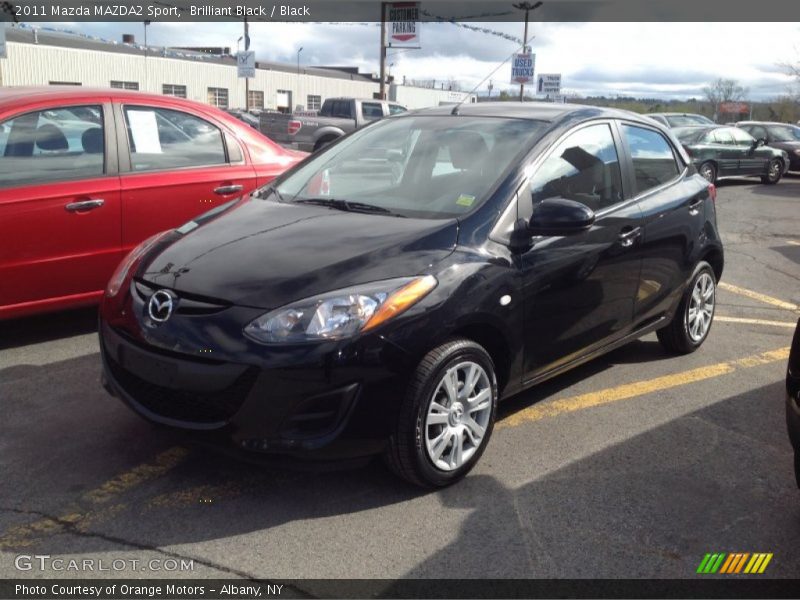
{"x": 447, "y": 416}
{"x": 458, "y": 415}
{"x": 774, "y": 172}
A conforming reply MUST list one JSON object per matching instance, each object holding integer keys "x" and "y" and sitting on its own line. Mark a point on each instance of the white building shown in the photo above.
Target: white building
{"x": 44, "y": 57}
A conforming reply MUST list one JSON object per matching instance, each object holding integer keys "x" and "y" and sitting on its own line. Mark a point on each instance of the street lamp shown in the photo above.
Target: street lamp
{"x": 298, "y": 59}
{"x": 241, "y": 37}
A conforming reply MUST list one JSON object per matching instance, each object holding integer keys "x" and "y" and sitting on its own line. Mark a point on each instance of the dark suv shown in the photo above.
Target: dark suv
{"x": 386, "y": 293}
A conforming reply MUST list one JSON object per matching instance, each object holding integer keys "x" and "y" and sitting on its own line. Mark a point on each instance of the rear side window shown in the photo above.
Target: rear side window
{"x": 719, "y": 136}
{"x": 371, "y": 110}
{"x": 168, "y": 139}
{"x": 56, "y": 144}
{"x": 341, "y": 109}
{"x": 583, "y": 167}
{"x": 653, "y": 159}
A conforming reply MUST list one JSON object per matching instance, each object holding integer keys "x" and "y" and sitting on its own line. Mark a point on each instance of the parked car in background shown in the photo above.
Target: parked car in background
{"x": 336, "y": 117}
{"x": 793, "y": 400}
{"x": 720, "y": 151}
{"x": 387, "y": 292}
{"x": 680, "y": 119}
{"x": 87, "y": 174}
{"x": 784, "y": 136}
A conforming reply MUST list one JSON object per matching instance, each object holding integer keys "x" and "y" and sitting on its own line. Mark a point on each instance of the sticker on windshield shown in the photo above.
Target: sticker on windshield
{"x": 325, "y": 184}
{"x": 465, "y": 200}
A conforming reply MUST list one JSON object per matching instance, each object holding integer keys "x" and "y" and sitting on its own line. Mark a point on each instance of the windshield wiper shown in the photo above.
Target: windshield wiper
{"x": 349, "y": 206}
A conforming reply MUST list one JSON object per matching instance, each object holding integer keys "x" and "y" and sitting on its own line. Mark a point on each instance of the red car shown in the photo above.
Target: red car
{"x": 87, "y": 174}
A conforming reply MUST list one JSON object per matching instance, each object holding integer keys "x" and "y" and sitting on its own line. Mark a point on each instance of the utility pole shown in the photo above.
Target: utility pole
{"x": 383, "y": 51}
{"x": 527, "y": 7}
{"x": 246, "y": 79}
{"x": 146, "y": 78}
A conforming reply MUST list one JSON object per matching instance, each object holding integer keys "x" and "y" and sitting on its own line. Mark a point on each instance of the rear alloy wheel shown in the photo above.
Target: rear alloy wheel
{"x": 447, "y": 417}
{"x": 709, "y": 172}
{"x": 774, "y": 172}
{"x": 692, "y": 322}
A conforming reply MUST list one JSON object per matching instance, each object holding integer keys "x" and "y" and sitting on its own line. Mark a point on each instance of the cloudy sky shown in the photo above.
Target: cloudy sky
{"x": 665, "y": 60}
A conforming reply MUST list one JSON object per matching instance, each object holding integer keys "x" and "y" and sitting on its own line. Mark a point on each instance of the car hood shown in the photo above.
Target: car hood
{"x": 266, "y": 254}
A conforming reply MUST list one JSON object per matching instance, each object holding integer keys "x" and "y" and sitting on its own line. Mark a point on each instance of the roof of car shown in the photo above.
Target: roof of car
{"x": 765, "y": 123}
{"x": 16, "y": 96}
{"x": 539, "y": 111}
{"x": 674, "y": 114}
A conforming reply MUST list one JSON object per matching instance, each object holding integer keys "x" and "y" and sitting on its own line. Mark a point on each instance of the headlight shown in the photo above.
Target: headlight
{"x": 119, "y": 275}
{"x": 340, "y": 314}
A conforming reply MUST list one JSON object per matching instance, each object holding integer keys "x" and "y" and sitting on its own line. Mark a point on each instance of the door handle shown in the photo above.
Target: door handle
{"x": 628, "y": 236}
{"x": 84, "y": 205}
{"x": 224, "y": 190}
{"x": 694, "y": 206}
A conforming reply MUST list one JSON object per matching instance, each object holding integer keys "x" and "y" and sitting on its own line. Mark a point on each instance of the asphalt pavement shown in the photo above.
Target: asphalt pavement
{"x": 634, "y": 465}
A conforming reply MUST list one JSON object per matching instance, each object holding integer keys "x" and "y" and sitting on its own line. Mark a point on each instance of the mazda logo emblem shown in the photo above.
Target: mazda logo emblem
{"x": 160, "y": 306}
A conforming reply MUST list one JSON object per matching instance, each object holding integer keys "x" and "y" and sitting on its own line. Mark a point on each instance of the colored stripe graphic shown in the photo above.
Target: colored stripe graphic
{"x": 734, "y": 563}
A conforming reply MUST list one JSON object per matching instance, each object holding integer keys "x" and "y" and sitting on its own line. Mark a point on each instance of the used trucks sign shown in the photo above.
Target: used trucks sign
{"x": 522, "y": 67}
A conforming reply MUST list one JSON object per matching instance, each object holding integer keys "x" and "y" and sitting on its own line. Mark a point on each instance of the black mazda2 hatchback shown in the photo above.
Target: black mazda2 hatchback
{"x": 382, "y": 296}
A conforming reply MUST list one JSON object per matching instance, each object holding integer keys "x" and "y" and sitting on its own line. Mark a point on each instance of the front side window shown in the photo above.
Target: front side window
{"x": 168, "y": 139}
{"x": 396, "y": 109}
{"x": 741, "y": 137}
{"x": 413, "y": 166}
{"x": 583, "y": 167}
{"x": 719, "y": 136}
{"x": 653, "y": 159}
{"x": 56, "y": 144}
{"x": 218, "y": 97}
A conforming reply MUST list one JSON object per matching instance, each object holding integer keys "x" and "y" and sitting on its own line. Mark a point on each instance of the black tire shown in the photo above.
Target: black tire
{"x": 407, "y": 455}
{"x": 774, "y": 172}
{"x": 797, "y": 468}
{"x": 708, "y": 170}
{"x": 676, "y": 337}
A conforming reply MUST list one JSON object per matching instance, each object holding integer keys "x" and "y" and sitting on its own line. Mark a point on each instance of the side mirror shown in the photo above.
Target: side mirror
{"x": 559, "y": 216}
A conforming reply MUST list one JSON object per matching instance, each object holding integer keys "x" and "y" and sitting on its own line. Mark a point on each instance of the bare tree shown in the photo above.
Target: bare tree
{"x": 724, "y": 90}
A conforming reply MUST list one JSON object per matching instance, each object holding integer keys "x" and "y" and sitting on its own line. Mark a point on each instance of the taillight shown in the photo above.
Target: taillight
{"x": 712, "y": 192}
{"x": 293, "y": 127}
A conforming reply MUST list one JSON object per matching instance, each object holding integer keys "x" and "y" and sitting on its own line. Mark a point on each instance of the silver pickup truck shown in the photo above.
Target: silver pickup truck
{"x": 336, "y": 117}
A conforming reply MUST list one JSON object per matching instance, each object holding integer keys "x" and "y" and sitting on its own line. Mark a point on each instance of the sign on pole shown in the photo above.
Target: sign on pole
{"x": 734, "y": 107}
{"x": 246, "y": 64}
{"x": 548, "y": 83}
{"x": 522, "y": 68}
{"x": 2, "y": 40}
{"x": 403, "y": 22}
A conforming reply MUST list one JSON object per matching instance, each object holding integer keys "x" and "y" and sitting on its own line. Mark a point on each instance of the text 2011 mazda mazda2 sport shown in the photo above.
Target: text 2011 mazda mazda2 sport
{"x": 383, "y": 295}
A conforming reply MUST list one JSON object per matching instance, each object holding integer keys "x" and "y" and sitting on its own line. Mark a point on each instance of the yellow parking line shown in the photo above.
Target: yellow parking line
{"x": 165, "y": 461}
{"x": 789, "y": 324}
{"x": 545, "y": 409}
{"x": 757, "y": 296}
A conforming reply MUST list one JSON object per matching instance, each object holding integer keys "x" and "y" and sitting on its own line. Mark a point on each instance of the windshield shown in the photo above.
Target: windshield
{"x": 787, "y": 133}
{"x": 414, "y": 166}
{"x": 688, "y": 120}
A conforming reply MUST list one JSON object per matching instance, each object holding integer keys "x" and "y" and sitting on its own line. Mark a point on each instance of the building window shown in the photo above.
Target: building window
{"x": 64, "y": 83}
{"x": 313, "y": 102}
{"x": 125, "y": 85}
{"x": 255, "y": 99}
{"x": 179, "y": 91}
{"x": 218, "y": 97}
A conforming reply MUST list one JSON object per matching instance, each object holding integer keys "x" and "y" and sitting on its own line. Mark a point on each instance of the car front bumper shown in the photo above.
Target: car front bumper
{"x": 341, "y": 405}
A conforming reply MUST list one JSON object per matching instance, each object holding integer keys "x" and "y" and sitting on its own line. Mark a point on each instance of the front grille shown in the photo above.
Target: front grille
{"x": 186, "y": 406}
